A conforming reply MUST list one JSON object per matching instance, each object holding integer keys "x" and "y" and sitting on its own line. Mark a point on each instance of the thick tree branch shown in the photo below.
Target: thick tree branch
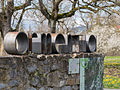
{"x": 10, "y": 6}
{"x": 87, "y": 7}
{"x": 72, "y": 12}
{"x": 58, "y": 2}
{"x": 55, "y": 9}
{"x": 2, "y": 5}
{"x": 17, "y": 26}
{"x": 27, "y": 3}
{"x": 43, "y": 10}
{"x": 74, "y": 4}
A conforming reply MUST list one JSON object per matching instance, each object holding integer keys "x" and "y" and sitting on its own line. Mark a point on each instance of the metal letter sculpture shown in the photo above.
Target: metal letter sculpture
{"x": 48, "y": 43}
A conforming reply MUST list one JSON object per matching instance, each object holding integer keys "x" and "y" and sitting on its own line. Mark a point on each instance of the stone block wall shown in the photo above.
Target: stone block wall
{"x": 48, "y": 72}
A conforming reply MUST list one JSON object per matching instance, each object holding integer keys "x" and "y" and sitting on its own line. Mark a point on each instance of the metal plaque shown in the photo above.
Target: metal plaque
{"x": 73, "y": 66}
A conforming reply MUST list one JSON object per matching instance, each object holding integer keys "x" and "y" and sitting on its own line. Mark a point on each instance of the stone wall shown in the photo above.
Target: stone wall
{"x": 48, "y": 73}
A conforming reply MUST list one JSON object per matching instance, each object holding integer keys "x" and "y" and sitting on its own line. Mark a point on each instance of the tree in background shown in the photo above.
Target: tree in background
{"x": 7, "y": 10}
{"x": 55, "y": 10}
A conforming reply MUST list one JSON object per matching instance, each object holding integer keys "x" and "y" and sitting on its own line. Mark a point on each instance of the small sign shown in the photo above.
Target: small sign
{"x": 74, "y": 66}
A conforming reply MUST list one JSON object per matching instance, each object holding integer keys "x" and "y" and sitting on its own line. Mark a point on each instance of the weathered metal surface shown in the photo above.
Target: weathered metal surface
{"x": 36, "y": 43}
{"x": 75, "y": 43}
{"x": 82, "y": 43}
{"x": 54, "y": 43}
{"x": 62, "y": 48}
{"x": 74, "y": 66}
{"x": 34, "y": 35}
{"x": 69, "y": 43}
{"x": 66, "y": 38}
{"x": 83, "y": 65}
{"x": 91, "y": 71}
{"x": 30, "y": 41}
{"x": 94, "y": 74}
{"x": 16, "y": 42}
{"x": 91, "y": 43}
{"x": 43, "y": 43}
{"x": 36, "y": 47}
{"x": 60, "y": 39}
{"x": 49, "y": 44}
{"x": 57, "y": 39}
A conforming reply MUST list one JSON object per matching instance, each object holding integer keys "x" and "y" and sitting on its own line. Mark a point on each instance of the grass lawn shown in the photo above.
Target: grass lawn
{"x": 111, "y": 77}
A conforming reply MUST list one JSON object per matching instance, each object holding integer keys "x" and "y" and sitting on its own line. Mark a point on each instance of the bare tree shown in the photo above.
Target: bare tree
{"x": 54, "y": 10}
{"x": 9, "y": 10}
{"x": 8, "y": 7}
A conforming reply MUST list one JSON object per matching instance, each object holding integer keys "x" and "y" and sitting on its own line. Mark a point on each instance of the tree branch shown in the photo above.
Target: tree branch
{"x": 74, "y": 4}
{"x": 17, "y": 26}
{"x": 55, "y": 10}
{"x": 95, "y": 9}
{"x": 2, "y": 5}
{"x": 10, "y": 6}
{"x": 27, "y": 3}
{"x": 43, "y": 10}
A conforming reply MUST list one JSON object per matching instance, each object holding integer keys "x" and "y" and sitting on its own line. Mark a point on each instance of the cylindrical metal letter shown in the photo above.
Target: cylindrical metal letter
{"x": 16, "y": 43}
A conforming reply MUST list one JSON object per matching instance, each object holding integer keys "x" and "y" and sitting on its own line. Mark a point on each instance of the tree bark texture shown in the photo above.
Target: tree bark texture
{"x": 52, "y": 25}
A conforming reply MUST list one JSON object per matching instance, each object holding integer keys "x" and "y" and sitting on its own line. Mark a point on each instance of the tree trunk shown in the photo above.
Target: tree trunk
{"x": 52, "y": 25}
{"x": 5, "y": 27}
{"x": 5, "y": 17}
{"x": 5, "y": 24}
{"x": 2, "y": 51}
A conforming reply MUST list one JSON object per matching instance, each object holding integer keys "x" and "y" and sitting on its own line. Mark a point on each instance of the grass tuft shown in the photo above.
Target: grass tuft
{"x": 111, "y": 77}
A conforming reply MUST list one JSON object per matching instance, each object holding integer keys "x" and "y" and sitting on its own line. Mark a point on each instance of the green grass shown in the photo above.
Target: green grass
{"x": 111, "y": 82}
{"x": 111, "y": 77}
{"x": 112, "y": 61}
{"x": 112, "y": 57}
